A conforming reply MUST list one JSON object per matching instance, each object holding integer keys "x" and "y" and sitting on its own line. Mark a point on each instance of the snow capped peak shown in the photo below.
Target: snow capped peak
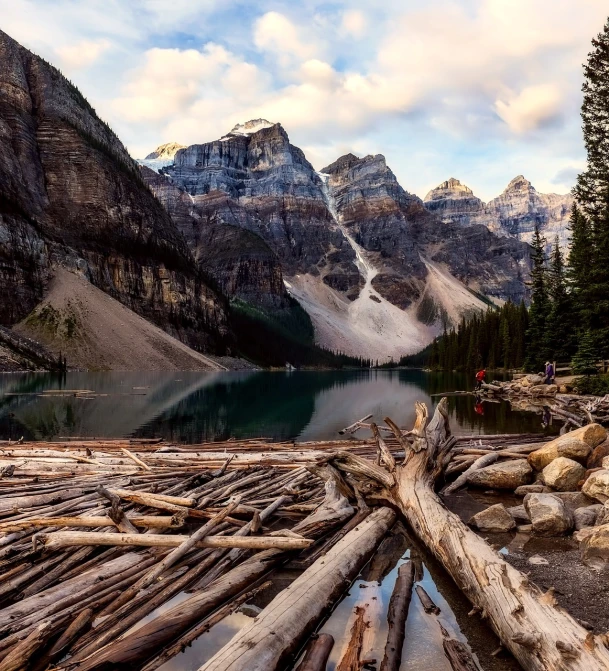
{"x": 162, "y": 156}
{"x": 163, "y": 151}
{"x": 250, "y": 127}
{"x": 247, "y": 128}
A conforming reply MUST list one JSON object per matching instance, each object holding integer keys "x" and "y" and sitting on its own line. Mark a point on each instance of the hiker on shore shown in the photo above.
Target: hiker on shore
{"x": 549, "y": 373}
{"x": 480, "y": 377}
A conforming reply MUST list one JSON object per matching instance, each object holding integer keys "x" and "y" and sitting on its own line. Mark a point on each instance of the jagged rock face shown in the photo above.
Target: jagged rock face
{"x": 514, "y": 213}
{"x": 239, "y": 261}
{"x": 71, "y": 195}
{"x": 454, "y": 202}
{"x": 255, "y": 179}
{"x": 405, "y": 237}
{"x": 520, "y": 208}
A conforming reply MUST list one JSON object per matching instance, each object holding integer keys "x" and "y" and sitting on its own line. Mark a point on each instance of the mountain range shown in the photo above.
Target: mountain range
{"x": 193, "y": 233}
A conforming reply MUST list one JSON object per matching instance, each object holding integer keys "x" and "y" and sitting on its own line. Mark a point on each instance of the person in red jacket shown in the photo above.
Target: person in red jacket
{"x": 480, "y": 377}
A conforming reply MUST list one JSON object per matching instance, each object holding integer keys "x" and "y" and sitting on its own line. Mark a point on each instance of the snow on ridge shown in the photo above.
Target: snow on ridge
{"x": 247, "y": 128}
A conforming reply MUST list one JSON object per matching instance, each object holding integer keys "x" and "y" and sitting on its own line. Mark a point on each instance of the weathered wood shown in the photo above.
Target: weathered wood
{"x": 19, "y": 657}
{"x": 396, "y": 617}
{"x": 351, "y": 658}
{"x": 317, "y": 654}
{"x": 144, "y": 498}
{"x": 385, "y": 456}
{"x": 61, "y": 539}
{"x": 294, "y": 612}
{"x": 428, "y": 605}
{"x": 148, "y": 521}
{"x": 203, "y": 627}
{"x": 136, "y": 459}
{"x": 485, "y": 460}
{"x": 512, "y": 605}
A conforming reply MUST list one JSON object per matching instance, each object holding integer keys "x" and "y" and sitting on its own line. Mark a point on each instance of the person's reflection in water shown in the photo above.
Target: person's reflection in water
{"x": 546, "y": 418}
{"x": 479, "y": 407}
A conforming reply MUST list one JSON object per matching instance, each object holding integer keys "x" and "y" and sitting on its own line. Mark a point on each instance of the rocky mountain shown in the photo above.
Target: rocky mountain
{"x": 375, "y": 270}
{"x": 514, "y": 213}
{"x": 162, "y": 156}
{"x": 71, "y": 196}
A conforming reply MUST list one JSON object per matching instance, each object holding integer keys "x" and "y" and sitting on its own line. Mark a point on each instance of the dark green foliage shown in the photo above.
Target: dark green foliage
{"x": 589, "y": 258}
{"x": 492, "y": 340}
{"x": 597, "y": 385}
{"x": 584, "y": 361}
{"x": 276, "y": 338}
{"x": 593, "y": 183}
{"x": 537, "y": 352}
{"x": 559, "y": 328}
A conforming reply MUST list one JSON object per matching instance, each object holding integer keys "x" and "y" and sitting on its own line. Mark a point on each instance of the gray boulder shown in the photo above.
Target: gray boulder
{"x": 586, "y": 517}
{"x": 494, "y": 519}
{"x": 563, "y": 474}
{"x": 549, "y": 515}
{"x": 505, "y": 475}
{"x": 536, "y": 488}
{"x": 519, "y": 513}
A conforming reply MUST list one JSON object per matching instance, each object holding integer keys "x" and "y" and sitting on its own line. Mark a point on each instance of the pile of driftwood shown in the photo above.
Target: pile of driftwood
{"x": 529, "y": 393}
{"x": 97, "y": 536}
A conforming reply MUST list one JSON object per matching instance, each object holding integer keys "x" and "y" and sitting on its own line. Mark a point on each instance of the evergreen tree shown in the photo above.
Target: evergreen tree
{"x": 593, "y": 183}
{"x": 584, "y": 361}
{"x": 560, "y": 342}
{"x": 578, "y": 272}
{"x": 538, "y": 313}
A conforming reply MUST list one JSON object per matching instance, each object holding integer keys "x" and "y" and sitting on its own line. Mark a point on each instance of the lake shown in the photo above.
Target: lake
{"x": 195, "y": 407}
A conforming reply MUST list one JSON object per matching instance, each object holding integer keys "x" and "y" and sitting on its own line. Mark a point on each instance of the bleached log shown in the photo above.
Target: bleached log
{"x": 514, "y": 608}
{"x": 276, "y": 632}
{"x": 61, "y": 539}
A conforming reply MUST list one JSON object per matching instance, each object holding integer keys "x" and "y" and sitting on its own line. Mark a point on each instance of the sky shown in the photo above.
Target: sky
{"x": 480, "y": 90}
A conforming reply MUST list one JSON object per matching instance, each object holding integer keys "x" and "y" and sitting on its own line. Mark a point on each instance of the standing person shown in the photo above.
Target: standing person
{"x": 480, "y": 377}
{"x": 549, "y": 373}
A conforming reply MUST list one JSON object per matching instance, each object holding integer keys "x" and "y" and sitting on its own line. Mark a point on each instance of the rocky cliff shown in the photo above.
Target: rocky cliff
{"x": 403, "y": 238}
{"x": 378, "y": 273}
{"x": 514, "y": 213}
{"x": 239, "y": 261}
{"x": 254, "y": 179}
{"x": 70, "y": 195}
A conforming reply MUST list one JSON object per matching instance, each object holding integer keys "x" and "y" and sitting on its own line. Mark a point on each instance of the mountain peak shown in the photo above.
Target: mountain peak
{"x": 165, "y": 151}
{"x": 450, "y": 188}
{"x": 519, "y": 183}
{"x": 250, "y": 127}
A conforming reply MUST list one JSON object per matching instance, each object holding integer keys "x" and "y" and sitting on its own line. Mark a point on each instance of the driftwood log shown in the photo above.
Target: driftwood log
{"x": 540, "y": 634}
{"x": 276, "y": 632}
{"x": 396, "y": 617}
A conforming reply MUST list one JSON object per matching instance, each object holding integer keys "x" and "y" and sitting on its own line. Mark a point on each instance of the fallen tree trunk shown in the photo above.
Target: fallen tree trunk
{"x": 396, "y": 617}
{"x": 276, "y": 633}
{"x": 540, "y": 634}
{"x": 317, "y": 654}
{"x": 61, "y": 539}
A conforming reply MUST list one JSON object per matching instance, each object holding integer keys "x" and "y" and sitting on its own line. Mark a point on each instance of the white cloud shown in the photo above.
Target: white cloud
{"x": 446, "y": 83}
{"x": 275, "y": 33}
{"x": 354, "y": 23}
{"x": 82, "y": 54}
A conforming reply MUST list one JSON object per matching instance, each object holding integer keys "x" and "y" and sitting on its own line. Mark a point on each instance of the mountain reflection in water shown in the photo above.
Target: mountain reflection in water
{"x": 195, "y": 407}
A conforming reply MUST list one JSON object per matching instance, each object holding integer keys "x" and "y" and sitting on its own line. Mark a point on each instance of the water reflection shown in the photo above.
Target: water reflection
{"x": 192, "y": 407}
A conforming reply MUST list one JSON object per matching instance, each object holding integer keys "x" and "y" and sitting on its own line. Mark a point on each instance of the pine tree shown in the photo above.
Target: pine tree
{"x": 536, "y": 352}
{"x": 578, "y": 271}
{"x": 593, "y": 183}
{"x": 559, "y": 339}
{"x": 584, "y": 361}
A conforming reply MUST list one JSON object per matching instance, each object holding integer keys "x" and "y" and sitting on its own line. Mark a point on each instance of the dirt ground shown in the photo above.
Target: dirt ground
{"x": 549, "y": 562}
{"x": 96, "y": 332}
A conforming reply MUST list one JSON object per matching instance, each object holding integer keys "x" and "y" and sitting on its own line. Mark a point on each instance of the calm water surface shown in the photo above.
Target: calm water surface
{"x": 194, "y": 407}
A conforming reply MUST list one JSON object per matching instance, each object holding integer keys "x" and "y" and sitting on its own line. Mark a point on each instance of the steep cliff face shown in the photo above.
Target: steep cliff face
{"x": 407, "y": 243}
{"x": 254, "y": 179}
{"x": 71, "y": 195}
{"x": 239, "y": 261}
{"x": 514, "y": 213}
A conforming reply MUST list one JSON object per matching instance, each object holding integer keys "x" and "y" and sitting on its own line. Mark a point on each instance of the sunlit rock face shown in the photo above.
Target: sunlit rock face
{"x": 253, "y": 178}
{"x": 239, "y": 261}
{"x": 70, "y": 194}
{"x": 405, "y": 236}
{"x": 514, "y": 213}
